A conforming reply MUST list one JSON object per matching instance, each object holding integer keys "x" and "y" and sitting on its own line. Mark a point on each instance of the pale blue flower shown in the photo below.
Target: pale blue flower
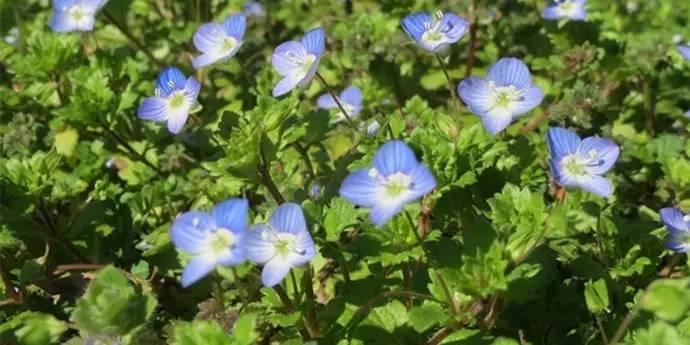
{"x": 434, "y": 34}
{"x": 175, "y": 97}
{"x": 373, "y": 128}
{"x": 684, "y": 50}
{"x": 678, "y": 226}
{"x": 219, "y": 42}
{"x": 570, "y": 9}
{"x": 395, "y": 179}
{"x": 74, "y": 15}
{"x": 297, "y": 62}
{"x": 581, "y": 163}
{"x": 505, "y": 94}
{"x": 281, "y": 244}
{"x": 211, "y": 239}
{"x": 253, "y": 8}
{"x": 350, "y": 99}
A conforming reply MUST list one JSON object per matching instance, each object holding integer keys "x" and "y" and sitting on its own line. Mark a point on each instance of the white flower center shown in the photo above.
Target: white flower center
{"x": 78, "y": 13}
{"x": 228, "y": 45}
{"x": 573, "y": 166}
{"x": 505, "y": 97}
{"x": 176, "y": 99}
{"x": 284, "y": 243}
{"x": 567, "y": 8}
{"x": 395, "y": 186}
{"x": 220, "y": 241}
{"x": 686, "y": 218}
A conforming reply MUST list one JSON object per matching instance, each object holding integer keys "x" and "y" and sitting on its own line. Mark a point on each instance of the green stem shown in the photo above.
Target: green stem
{"x": 132, "y": 38}
{"x": 310, "y": 317}
{"x": 265, "y": 175}
{"x": 336, "y": 99}
{"x": 451, "y": 88}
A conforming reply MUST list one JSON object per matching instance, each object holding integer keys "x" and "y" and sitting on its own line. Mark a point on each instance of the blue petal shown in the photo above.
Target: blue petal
{"x": 606, "y": 154}
{"x": 232, "y": 214}
{"x": 598, "y": 185}
{"x": 208, "y": 38}
{"x": 285, "y": 85}
{"x": 190, "y": 230}
{"x": 257, "y": 245}
{"x": 673, "y": 219}
{"x": 352, "y": 96}
{"x": 305, "y": 250}
{"x": 373, "y": 128}
{"x": 204, "y": 60}
{"x": 562, "y": 142}
{"x": 92, "y": 5}
{"x": 551, "y": 13}
{"x": 382, "y": 213}
{"x": 360, "y": 188}
{"x": 416, "y": 24}
{"x": 394, "y": 156}
{"x": 197, "y": 268}
{"x": 326, "y": 101}
{"x": 423, "y": 182}
{"x": 235, "y": 26}
{"x": 678, "y": 243}
{"x": 476, "y": 94}
{"x": 453, "y": 26}
{"x": 274, "y": 272}
{"x": 288, "y": 217}
{"x": 288, "y": 57}
{"x": 496, "y": 120}
{"x": 687, "y": 114}
{"x": 531, "y": 98}
{"x": 170, "y": 80}
{"x": 314, "y": 42}
{"x": 310, "y": 73}
{"x": 253, "y": 8}
{"x": 579, "y": 14}
{"x": 61, "y": 22}
{"x": 192, "y": 87}
{"x": 232, "y": 256}
{"x": 510, "y": 71}
{"x": 153, "y": 109}
{"x": 684, "y": 51}
{"x": 560, "y": 176}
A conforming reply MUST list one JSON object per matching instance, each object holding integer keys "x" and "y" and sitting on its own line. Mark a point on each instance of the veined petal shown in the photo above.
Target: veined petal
{"x": 476, "y": 93}
{"x": 257, "y": 244}
{"x": 209, "y": 37}
{"x": 191, "y": 90}
{"x": 314, "y": 42}
{"x": 288, "y": 217}
{"x": 326, "y": 101}
{"x": 423, "y": 182}
{"x": 305, "y": 250}
{"x": 678, "y": 243}
{"x": 394, "y": 156}
{"x": 204, "y": 60}
{"x": 197, "y": 268}
{"x": 232, "y": 214}
{"x": 416, "y": 23}
{"x": 453, "y": 27}
{"x": 190, "y": 231}
{"x": 360, "y": 188}
{"x": 560, "y": 176}
{"x": 153, "y": 109}
{"x": 287, "y": 57}
{"x": 274, "y": 272}
{"x": 170, "y": 80}
{"x": 674, "y": 220}
{"x": 562, "y": 142}
{"x": 285, "y": 85}
{"x": 235, "y": 25}
{"x": 551, "y": 13}
{"x": 684, "y": 51}
{"x": 383, "y": 212}
{"x": 176, "y": 121}
{"x": 352, "y": 96}
{"x": 510, "y": 71}
{"x": 496, "y": 120}
{"x": 603, "y": 153}
{"x": 61, "y": 21}
{"x": 598, "y": 185}
{"x": 531, "y": 98}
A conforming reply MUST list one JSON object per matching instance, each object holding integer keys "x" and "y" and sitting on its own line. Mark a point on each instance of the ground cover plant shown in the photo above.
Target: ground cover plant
{"x": 468, "y": 172}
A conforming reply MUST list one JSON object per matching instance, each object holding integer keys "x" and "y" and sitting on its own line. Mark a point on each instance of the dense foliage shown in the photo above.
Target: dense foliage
{"x": 498, "y": 253}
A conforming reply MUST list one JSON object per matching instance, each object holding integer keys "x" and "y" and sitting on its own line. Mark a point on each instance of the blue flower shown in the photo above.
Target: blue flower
{"x": 211, "y": 239}
{"x": 218, "y": 42}
{"x": 581, "y": 163}
{"x": 395, "y": 179}
{"x": 434, "y": 34}
{"x": 570, "y": 9}
{"x": 253, "y": 8}
{"x": 687, "y": 114}
{"x": 74, "y": 15}
{"x": 684, "y": 50}
{"x": 281, "y": 244}
{"x": 175, "y": 97}
{"x": 678, "y": 226}
{"x": 350, "y": 98}
{"x": 297, "y": 62}
{"x": 506, "y": 93}
{"x": 373, "y": 128}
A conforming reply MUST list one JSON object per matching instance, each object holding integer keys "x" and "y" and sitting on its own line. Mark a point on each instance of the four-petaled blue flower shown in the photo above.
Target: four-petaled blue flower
{"x": 74, "y": 15}
{"x": 281, "y": 244}
{"x": 395, "y": 179}
{"x": 678, "y": 226}
{"x": 297, "y": 62}
{"x": 350, "y": 99}
{"x": 175, "y": 97}
{"x": 684, "y": 50}
{"x": 506, "y": 93}
{"x": 434, "y": 34}
{"x": 211, "y": 239}
{"x": 581, "y": 163}
{"x": 570, "y": 9}
{"x": 218, "y": 42}
{"x": 253, "y": 8}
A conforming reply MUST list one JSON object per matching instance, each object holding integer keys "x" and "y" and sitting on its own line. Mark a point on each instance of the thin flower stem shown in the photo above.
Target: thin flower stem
{"x": 602, "y": 331}
{"x": 289, "y": 306}
{"x": 118, "y": 139}
{"x": 132, "y": 38}
{"x": 310, "y": 317}
{"x": 295, "y": 288}
{"x": 337, "y": 100}
{"x": 265, "y": 177}
{"x": 451, "y": 89}
{"x": 303, "y": 151}
{"x": 620, "y": 332}
{"x": 218, "y": 292}
{"x": 452, "y": 303}
{"x": 472, "y": 47}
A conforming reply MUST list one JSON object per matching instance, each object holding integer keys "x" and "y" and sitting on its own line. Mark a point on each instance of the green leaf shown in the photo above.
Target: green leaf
{"x": 427, "y": 316}
{"x": 596, "y": 296}
{"x": 200, "y": 333}
{"x": 668, "y": 299}
{"x": 65, "y": 142}
{"x": 338, "y": 216}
